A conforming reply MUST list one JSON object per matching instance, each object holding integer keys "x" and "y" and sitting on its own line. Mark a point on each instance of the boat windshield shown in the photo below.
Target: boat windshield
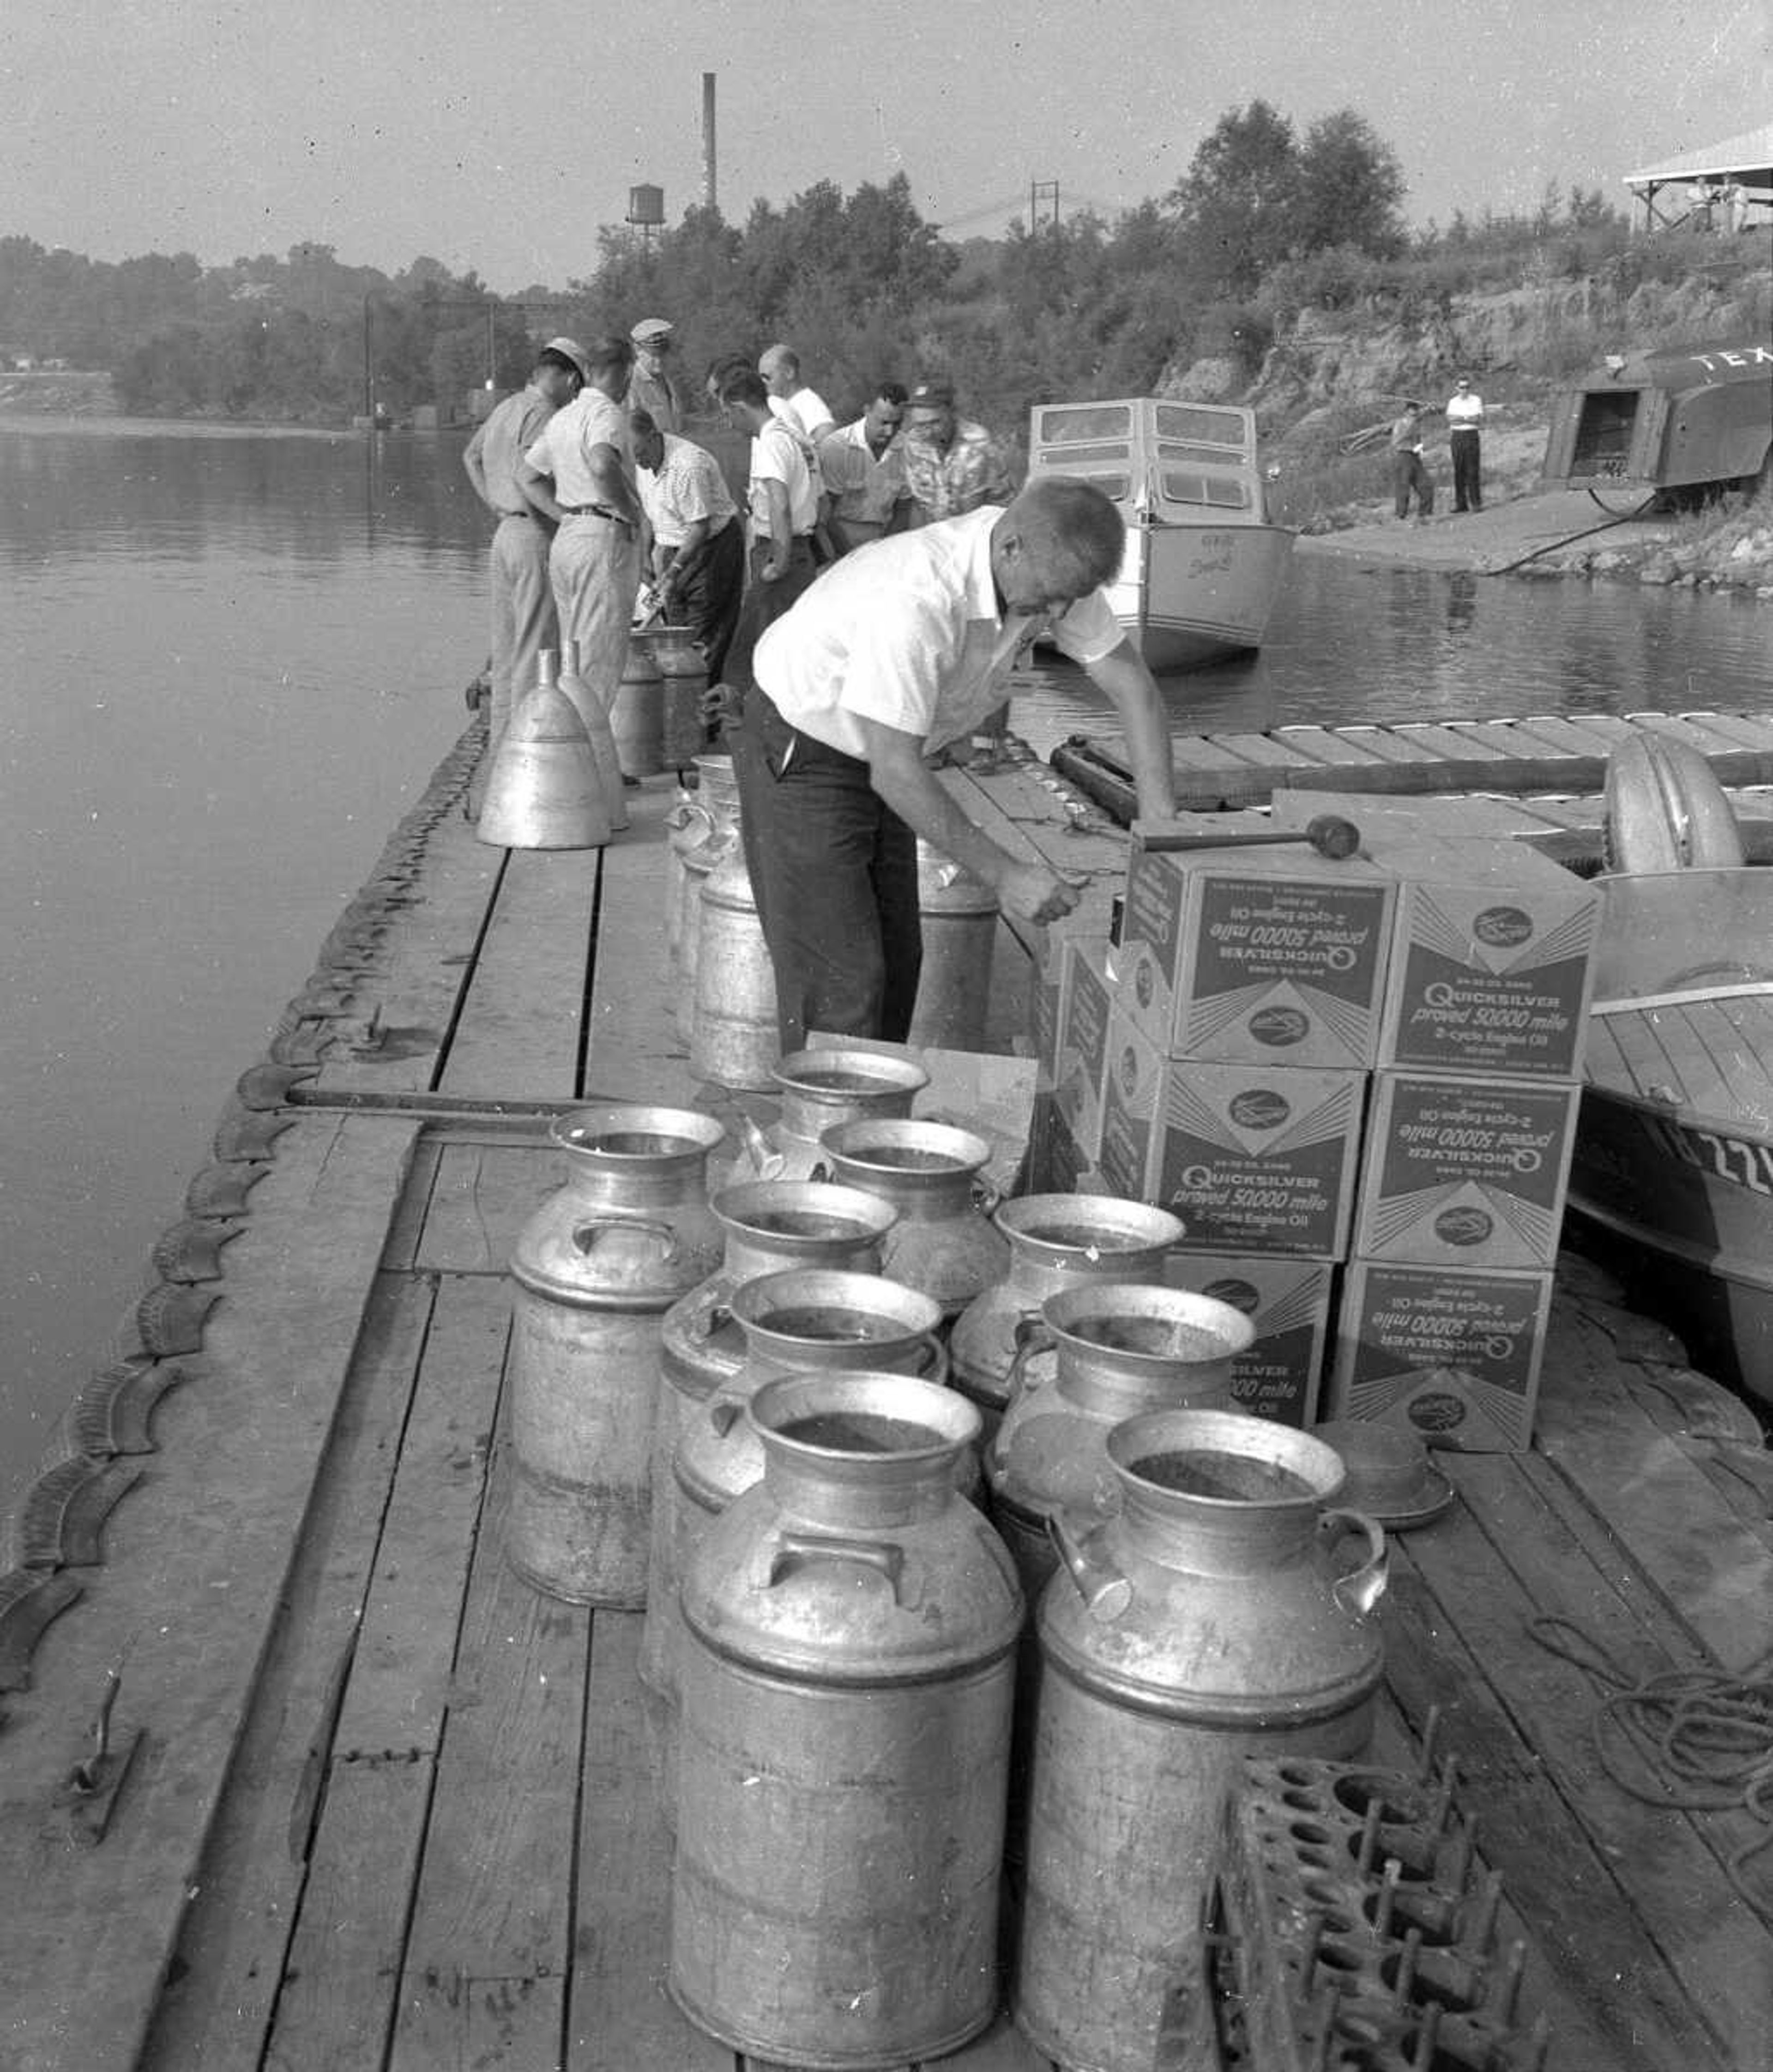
{"x": 1678, "y": 932}
{"x": 1075, "y": 424}
{"x": 1207, "y": 427}
{"x": 1223, "y": 492}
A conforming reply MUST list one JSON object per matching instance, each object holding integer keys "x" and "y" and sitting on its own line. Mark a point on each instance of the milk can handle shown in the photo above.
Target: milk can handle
{"x": 1104, "y": 1589}
{"x": 793, "y": 1549}
{"x": 1362, "y": 1588}
{"x": 586, "y": 1235}
{"x": 723, "y": 1414}
{"x": 934, "y": 1364}
{"x": 986, "y": 1198}
{"x": 1033, "y": 1335}
{"x": 821, "y": 1172}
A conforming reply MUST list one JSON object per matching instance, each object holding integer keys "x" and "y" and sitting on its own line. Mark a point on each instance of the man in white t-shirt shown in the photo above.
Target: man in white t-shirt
{"x": 790, "y": 398}
{"x": 1464, "y": 416}
{"x": 578, "y": 473}
{"x": 698, "y": 538}
{"x": 783, "y": 500}
{"x": 894, "y": 654}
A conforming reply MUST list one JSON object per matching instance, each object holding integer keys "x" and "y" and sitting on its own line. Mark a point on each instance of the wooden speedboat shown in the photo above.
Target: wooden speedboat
{"x": 1674, "y": 1152}
{"x": 1203, "y": 564}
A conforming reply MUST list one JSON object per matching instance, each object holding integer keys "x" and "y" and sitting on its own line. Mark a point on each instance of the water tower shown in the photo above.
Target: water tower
{"x": 647, "y": 211}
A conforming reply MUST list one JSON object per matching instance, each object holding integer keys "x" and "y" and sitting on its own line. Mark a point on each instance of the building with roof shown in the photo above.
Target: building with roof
{"x": 1723, "y": 187}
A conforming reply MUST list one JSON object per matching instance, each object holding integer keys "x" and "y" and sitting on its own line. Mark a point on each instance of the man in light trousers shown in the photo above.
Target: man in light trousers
{"x": 579, "y": 472}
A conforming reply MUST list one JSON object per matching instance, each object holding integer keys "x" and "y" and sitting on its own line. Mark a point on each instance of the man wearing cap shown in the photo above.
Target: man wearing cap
{"x": 1464, "y": 416}
{"x": 652, "y": 389}
{"x": 577, "y": 473}
{"x": 951, "y": 465}
{"x": 1409, "y": 476}
{"x": 698, "y": 541}
{"x": 523, "y": 618}
{"x": 892, "y": 655}
{"x": 864, "y": 467}
{"x": 790, "y": 398}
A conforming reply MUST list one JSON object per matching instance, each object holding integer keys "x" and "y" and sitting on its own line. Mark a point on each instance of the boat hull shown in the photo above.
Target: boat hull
{"x": 1189, "y": 594}
{"x": 1696, "y": 1194}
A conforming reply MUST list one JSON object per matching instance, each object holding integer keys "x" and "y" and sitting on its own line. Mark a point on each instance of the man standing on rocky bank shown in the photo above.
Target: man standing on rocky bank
{"x": 894, "y": 654}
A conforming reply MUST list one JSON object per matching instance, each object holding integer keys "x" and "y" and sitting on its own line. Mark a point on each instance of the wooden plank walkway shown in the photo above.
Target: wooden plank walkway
{"x": 1537, "y": 753}
{"x": 393, "y": 1809}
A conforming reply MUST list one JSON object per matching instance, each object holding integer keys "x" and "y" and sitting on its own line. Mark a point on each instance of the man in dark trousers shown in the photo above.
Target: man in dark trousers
{"x": 1408, "y": 476}
{"x": 895, "y": 653}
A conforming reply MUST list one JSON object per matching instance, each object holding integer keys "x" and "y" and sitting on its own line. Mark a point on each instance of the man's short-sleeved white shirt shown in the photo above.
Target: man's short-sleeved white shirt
{"x": 686, "y": 486}
{"x": 779, "y": 453}
{"x": 806, "y": 411}
{"x": 906, "y": 631}
{"x": 564, "y": 450}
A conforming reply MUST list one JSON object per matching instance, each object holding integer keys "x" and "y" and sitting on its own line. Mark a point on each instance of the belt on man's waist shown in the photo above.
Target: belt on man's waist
{"x": 593, "y": 510}
{"x": 516, "y": 514}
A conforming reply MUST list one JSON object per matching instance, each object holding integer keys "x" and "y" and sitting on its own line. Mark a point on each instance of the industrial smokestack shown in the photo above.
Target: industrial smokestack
{"x": 709, "y": 200}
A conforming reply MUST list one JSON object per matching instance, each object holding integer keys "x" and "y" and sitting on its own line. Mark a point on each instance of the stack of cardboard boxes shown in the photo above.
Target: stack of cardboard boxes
{"x": 1355, "y": 1083}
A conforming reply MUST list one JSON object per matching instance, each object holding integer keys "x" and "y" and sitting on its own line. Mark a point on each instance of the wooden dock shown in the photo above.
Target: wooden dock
{"x": 1564, "y": 756}
{"x": 370, "y": 1801}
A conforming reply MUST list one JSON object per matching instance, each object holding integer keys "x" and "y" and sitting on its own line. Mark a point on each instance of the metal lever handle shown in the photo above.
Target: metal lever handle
{"x": 1104, "y": 1589}
{"x": 1362, "y": 1588}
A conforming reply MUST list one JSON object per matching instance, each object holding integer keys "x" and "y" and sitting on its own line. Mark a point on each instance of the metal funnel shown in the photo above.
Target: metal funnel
{"x": 543, "y": 790}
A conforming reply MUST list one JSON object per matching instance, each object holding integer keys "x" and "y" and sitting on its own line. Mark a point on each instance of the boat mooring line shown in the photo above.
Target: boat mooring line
{"x": 582, "y": 1055}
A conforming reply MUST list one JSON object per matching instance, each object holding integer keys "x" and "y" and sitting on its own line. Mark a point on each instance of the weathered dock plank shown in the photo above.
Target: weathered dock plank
{"x": 228, "y": 1968}
{"x": 1633, "y": 2014}
{"x": 490, "y": 1945}
{"x": 633, "y": 1051}
{"x": 520, "y": 1036}
{"x": 1497, "y": 1564}
{"x": 197, "y": 1562}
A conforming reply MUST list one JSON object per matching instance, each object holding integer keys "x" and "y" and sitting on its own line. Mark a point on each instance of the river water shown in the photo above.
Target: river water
{"x": 235, "y": 658}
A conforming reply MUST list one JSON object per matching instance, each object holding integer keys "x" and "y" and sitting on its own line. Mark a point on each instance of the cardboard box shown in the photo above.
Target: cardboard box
{"x": 1288, "y": 1300}
{"x": 1056, "y": 1162}
{"x": 1083, "y": 1038}
{"x": 1254, "y": 1158}
{"x": 1453, "y": 1357}
{"x": 1492, "y": 960}
{"x": 1465, "y": 1171}
{"x": 1267, "y": 953}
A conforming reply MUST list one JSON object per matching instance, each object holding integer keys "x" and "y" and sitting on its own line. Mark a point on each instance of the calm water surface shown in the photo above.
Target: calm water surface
{"x": 234, "y": 660}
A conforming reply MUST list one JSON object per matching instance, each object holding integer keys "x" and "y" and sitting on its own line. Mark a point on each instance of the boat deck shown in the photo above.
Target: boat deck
{"x": 371, "y": 1801}
{"x": 1539, "y": 754}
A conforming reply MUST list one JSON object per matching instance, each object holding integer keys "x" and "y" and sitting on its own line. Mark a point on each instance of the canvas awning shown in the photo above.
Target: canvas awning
{"x": 1737, "y": 172}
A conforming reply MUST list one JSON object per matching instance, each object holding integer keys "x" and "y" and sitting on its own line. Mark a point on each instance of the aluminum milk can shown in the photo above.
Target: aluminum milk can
{"x": 637, "y": 713}
{"x": 1118, "y": 1351}
{"x": 711, "y": 826}
{"x": 596, "y": 1268}
{"x": 945, "y": 1241}
{"x": 1055, "y": 1241}
{"x": 846, "y": 1696}
{"x": 812, "y": 1319}
{"x": 959, "y": 926}
{"x": 820, "y": 1089}
{"x": 772, "y": 1227}
{"x": 1208, "y": 1619}
{"x": 735, "y": 1042}
{"x": 684, "y": 674}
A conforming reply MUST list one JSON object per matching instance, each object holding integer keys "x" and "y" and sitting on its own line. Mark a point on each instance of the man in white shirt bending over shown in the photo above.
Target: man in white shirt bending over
{"x": 893, "y": 655}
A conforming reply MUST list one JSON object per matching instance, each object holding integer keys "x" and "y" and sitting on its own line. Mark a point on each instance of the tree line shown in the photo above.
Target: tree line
{"x": 1264, "y": 220}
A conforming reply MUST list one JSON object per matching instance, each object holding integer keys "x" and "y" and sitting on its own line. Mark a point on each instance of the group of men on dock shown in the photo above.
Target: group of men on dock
{"x": 894, "y": 578}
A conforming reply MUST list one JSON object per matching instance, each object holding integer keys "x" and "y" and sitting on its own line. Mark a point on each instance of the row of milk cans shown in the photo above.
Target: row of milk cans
{"x": 966, "y": 1589}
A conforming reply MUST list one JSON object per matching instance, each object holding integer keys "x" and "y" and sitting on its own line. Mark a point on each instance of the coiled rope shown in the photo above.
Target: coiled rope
{"x": 1704, "y": 1736}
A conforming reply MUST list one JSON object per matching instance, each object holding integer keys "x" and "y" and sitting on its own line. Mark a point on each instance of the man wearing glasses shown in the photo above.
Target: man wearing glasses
{"x": 864, "y": 467}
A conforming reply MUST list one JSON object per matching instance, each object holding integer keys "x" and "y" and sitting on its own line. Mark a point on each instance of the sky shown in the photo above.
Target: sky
{"x": 497, "y": 136}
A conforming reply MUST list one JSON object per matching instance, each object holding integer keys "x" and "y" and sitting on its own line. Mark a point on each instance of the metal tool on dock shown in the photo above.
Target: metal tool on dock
{"x": 1328, "y": 833}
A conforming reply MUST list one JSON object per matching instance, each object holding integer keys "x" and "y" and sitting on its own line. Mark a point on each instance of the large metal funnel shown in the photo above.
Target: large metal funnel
{"x": 543, "y": 790}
